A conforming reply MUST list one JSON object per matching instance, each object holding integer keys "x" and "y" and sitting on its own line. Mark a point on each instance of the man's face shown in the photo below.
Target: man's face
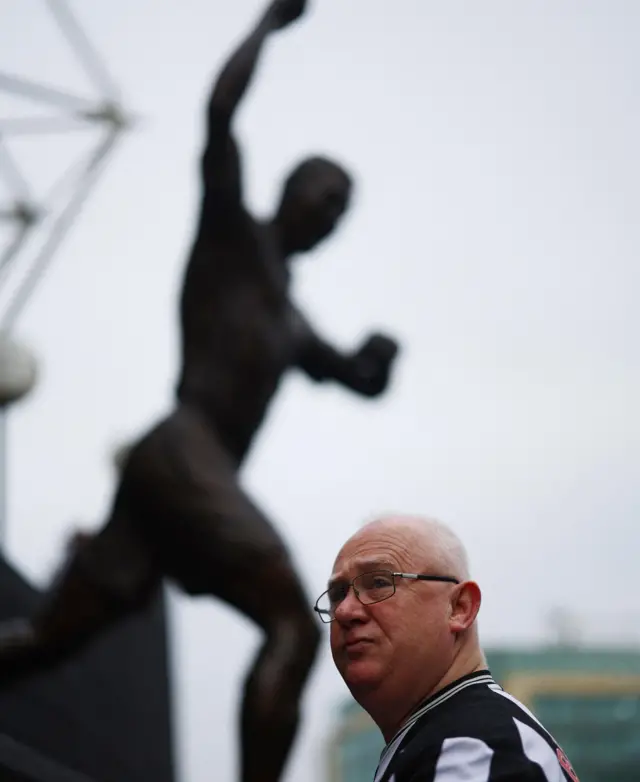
{"x": 402, "y": 638}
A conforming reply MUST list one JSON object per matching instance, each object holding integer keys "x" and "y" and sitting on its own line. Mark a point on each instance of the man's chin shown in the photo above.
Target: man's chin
{"x": 362, "y": 676}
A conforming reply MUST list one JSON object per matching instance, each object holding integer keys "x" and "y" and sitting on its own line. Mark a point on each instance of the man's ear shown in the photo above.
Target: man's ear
{"x": 465, "y": 604}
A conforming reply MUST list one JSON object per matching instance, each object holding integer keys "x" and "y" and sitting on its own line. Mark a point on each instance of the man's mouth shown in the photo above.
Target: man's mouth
{"x": 357, "y": 644}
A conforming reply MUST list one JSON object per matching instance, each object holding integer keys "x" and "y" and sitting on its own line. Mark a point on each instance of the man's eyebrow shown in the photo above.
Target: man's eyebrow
{"x": 367, "y": 565}
{"x": 363, "y": 566}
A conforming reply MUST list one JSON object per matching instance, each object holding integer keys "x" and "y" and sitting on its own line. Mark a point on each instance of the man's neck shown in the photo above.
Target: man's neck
{"x": 391, "y": 722}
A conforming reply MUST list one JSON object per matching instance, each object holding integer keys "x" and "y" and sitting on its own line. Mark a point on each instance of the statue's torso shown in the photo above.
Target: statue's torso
{"x": 237, "y": 328}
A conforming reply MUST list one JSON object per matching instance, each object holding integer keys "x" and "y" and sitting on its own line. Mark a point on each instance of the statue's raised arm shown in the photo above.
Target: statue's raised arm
{"x": 220, "y": 160}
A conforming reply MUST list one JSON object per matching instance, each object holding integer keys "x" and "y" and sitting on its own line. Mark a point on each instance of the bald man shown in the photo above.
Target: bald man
{"x": 402, "y": 610}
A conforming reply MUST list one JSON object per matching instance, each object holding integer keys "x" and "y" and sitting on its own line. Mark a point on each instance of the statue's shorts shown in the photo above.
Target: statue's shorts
{"x": 180, "y": 513}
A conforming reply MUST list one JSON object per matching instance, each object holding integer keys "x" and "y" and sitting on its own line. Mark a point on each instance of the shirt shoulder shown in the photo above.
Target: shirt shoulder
{"x": 484, "y": 733}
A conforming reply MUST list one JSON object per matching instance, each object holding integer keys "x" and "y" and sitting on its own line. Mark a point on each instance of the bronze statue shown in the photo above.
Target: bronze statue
{"x": 179, "y": 511}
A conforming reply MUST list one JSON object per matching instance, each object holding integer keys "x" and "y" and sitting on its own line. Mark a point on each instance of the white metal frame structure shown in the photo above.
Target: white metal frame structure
{"x": 27, "y": 221}
{"x": 25, "y": 216}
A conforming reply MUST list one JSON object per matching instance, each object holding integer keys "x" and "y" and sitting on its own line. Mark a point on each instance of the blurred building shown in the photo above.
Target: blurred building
{"x": 103, "y": 716}
{"x": 354, "y": 746}
{"x": 588, "y": 698}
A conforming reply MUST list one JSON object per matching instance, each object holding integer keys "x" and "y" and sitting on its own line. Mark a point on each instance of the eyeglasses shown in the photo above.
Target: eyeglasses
{"x": 369, "y": 588}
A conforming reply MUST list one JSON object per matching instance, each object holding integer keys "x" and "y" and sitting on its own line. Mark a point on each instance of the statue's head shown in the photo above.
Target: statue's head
{"x": 315, "y": 196}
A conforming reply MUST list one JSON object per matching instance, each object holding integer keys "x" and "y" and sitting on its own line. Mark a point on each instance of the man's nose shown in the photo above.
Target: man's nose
{"x": 350, "y": 608}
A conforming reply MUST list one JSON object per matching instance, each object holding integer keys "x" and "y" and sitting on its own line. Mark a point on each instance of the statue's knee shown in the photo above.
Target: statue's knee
{"x": 29, "y": 637}
{"x": 17, "y": 634}
{"x": 312, "y": 636}
{"x": 303, "y": 637}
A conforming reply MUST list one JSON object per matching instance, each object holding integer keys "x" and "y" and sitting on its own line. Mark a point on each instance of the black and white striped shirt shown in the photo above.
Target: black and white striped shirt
{"x": 473, "y": 731}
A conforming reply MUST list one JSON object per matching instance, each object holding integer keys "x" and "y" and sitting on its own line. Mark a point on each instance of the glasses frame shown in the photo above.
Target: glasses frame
{"x": 325, "y": 615}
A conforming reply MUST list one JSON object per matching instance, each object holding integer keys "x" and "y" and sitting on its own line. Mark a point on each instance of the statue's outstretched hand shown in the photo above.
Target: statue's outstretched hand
{"x": 282, "y": 13}
{"x": 373, "y": 362}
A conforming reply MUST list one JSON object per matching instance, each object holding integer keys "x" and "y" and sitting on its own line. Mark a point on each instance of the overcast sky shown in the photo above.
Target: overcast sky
{"x": 494, "y": 232}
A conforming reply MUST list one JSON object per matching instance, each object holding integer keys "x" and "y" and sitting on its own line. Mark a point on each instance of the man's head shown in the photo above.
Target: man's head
{"x": 315, "y": 196}
{"x": 394, "y": 653}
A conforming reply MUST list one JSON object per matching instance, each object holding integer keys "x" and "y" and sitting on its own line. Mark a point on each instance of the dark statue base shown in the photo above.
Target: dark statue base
{"x": 103, "y": 717}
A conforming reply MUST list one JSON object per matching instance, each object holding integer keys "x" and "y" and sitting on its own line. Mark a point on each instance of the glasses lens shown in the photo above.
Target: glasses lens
{"x": 374, "y": 587}
{"x": 325, "y": 608}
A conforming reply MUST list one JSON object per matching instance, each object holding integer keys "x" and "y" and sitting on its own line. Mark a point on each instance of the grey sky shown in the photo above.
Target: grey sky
{"x": 495, "y": 150}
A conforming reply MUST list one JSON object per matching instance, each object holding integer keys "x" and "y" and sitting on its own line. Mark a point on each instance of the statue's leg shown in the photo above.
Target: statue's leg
{"x": 242, "y": 561}
{"x": 107, "y": 576}
{"x": 273, "y": 597}
{"x": 213, "y": 540}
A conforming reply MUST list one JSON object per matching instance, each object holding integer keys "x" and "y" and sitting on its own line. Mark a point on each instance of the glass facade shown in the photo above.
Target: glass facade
{"x": 600, "y": 733}
{"x": 355, "y": 747}
{"x": 589, "y": 699}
